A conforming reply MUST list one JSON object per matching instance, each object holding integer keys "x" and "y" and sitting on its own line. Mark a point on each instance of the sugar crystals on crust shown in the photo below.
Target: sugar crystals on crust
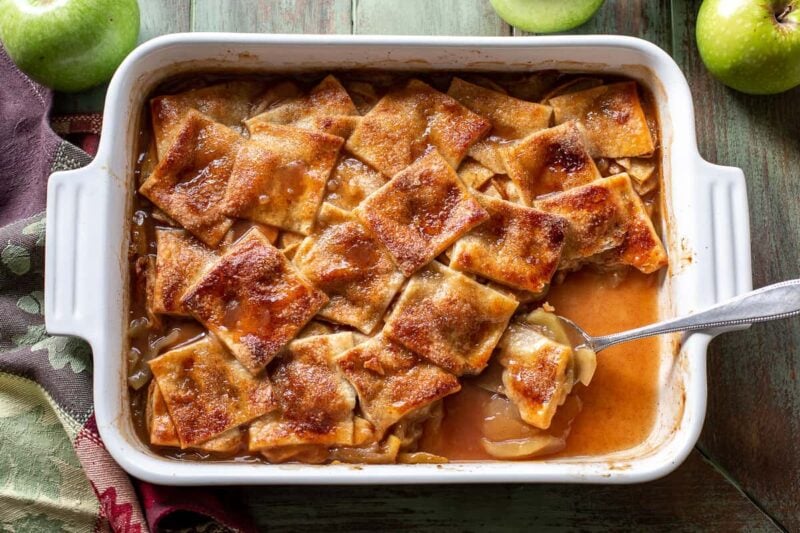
{"x": 420, "y": 212}
{"x": 450, "y": 319}
{"x": 229, "y": 103}
{"x": 347, "y": 263}
{"x": 518, "y": 246}
{"x": 607, "y": 224}
{"x": 254, "y": 300}
{"x": 511, "y": 119}
{"x": 180, "y": 259}
{"x": 280, "y": 176}
{"x": 612, "y": 116}
{"x": 207, "y": 391}
{"x": 315, "y": 401}
{"x": 393, "y": 382}
{"x": 190, "y": 181}
{"x": 327, "y": 108}
{"x": 550, "y": 160}
{"x": 407, "y": 121}
{"x": 162, "y": 430}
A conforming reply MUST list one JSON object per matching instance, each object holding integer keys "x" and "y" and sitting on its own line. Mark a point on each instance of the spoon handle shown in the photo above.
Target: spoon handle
{"x": 773, "y": 302}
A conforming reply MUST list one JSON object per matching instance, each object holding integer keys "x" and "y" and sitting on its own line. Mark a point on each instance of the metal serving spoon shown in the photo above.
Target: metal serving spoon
{"x": 772, "y": 302}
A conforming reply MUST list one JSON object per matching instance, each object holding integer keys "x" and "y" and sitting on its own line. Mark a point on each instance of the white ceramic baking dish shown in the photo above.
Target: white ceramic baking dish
{"x": 706, "y": 229}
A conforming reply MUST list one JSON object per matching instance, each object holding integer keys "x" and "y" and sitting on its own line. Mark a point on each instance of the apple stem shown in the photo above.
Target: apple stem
{"x": 780, "y": 17}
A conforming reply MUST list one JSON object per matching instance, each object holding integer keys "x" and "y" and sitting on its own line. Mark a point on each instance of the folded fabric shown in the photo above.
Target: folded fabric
{"x": 55, "y": 473}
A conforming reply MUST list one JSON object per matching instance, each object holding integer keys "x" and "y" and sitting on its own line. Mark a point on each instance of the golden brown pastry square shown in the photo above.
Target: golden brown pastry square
{"x": 207, "y": 391}
{"x": 254, "y": 300}
{"x": 595, "y": 221}
{"x": 550, "y": 160}
{"x": 315, "y": 402}
{"x": 280, "y": 175}
{"x": 228, "y": 103}
{"x": 392, "y": 382}
{"x": 607, "y": 217}
{"x": 511, "y": 119}
{"x": 406, "y": 121}
{"x": 162, "y": 430}
{"x": 180, "y": 259}
{"x": 612, "y": 116}
{"x": 350, "y": 182}
{"x": 642, "y": 248}
{"x": 537, "y": 373}
{"x": 190, "y": 181}
{"x": 449, "y": 319}
{"x": 518, "y": 246}
{"x": 420, "y": 212}
{"x": 348, "y": 264}
{"x": 326, "y": 108}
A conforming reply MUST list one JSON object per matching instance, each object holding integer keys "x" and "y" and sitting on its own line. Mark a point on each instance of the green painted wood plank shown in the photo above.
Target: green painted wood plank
{"x": 752, "y": 428}
{"x": 427, "y": 17}
{"x": 695, "y": 497}
{"x": 272, "y": 16}
{"x": 648, "y": 19}
{"x": 159, "y": 17}
{"x": 156, "y": 18}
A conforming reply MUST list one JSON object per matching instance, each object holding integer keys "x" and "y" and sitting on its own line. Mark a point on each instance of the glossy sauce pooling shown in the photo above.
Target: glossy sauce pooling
{"x": 618, "y": 408}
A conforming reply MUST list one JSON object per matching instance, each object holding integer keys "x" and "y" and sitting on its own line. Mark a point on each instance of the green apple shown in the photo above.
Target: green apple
{"x": 751, "y": 45}
{"x": 546, "y": 16}
{"x": 69, "y": 45}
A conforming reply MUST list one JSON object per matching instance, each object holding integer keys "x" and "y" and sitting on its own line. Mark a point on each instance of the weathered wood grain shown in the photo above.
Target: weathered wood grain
{"x": 159, "y": 17}
{"x": 648, "y": 19}
{"x": 753, "y": 423}
{"x": 427, "y": 17}
{"x": 696, "y": 497}
{"x": 272, "y": 16}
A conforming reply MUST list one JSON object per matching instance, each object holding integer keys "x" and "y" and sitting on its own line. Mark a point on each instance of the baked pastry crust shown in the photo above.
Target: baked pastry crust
{"x": 228, "y": 103}
{"x": 612, "y": 117}
{"x": 254, "y": 300}
{"x": 207, "y": 391}
{"x": 407, "y": 121}
{"x": 162, "y": 430}
{"x": 449, "y": 319}
{"x": 393, "y": 382}
{"x": 190, "y": 181}
{"x": 342, "y": 259}
{"x": 607, "y": 223}
{"x": 327, "y": 108}
{"x": 420, "y": 212}
{"x": 511, "y": 119}
{"x": 351, "y": 182}
{"x": 315, "y": 402}
{"x": 642, "y": 248}
{"x": 473, "y": 174}
{"x": 550, "y": 160}
{"x": 180, "y": 259}
{"x": 536, "y": 373}
{"x": 280, "y": 175}
{"x": 518, "y": 246}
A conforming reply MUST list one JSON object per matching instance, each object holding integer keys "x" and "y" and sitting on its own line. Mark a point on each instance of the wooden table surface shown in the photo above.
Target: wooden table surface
{"x": 745, "y": 471}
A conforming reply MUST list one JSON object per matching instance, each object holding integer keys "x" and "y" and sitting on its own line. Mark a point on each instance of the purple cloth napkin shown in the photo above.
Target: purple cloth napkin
{"x": 57, "y": 370}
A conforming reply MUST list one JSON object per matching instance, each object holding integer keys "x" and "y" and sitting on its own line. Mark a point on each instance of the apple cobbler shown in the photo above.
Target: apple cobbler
{"x": 363, "y": 268}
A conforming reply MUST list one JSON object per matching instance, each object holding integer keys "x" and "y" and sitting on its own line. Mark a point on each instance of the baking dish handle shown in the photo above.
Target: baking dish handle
{"x": 73, "y": 283}
{"x": 729, "y": 232}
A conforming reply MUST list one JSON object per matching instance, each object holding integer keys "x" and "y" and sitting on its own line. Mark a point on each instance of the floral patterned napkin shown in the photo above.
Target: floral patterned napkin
{"x": 55, "y": 473}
